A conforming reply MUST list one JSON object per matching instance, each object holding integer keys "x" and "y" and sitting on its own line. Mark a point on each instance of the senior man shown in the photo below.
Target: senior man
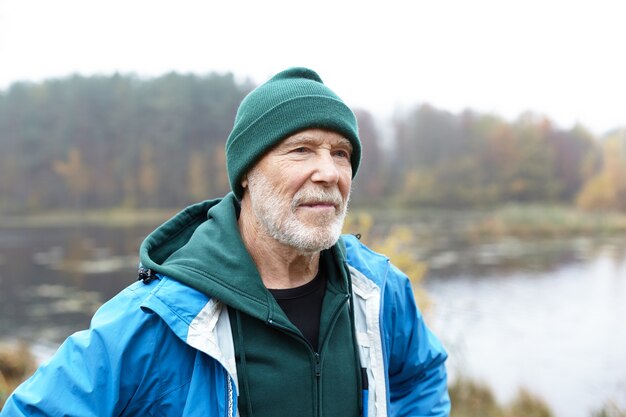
{"x": 254, "y": 304}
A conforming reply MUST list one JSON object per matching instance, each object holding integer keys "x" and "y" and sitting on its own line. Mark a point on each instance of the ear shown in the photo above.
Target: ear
{"x": 244, "y": 182}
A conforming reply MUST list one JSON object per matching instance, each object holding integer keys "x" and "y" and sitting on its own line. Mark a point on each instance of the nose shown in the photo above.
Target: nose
{"x": 326, "y": 170}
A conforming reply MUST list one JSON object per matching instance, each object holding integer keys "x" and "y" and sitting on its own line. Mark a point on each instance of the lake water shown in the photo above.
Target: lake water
{"x": 557, "y": 329}
{"x": 549, "y": 316}
{"x": 53, "y": 279}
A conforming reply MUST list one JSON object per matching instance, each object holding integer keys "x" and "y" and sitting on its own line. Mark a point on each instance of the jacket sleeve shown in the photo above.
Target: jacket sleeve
{"x": 416, "y": 358}
{"x": 94, "y": 371}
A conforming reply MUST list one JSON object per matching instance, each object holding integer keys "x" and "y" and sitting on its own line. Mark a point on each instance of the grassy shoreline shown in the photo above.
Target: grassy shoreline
{"x": 542, "y": 221}
{"x": 509, "y": 220}
{"x": 524, "y": 221}
{"x": 98, "y": 217}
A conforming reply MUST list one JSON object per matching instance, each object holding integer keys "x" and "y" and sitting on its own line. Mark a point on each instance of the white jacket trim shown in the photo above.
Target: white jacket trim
{"x": 210, "y": 332}
{"x": 367, "y": 298}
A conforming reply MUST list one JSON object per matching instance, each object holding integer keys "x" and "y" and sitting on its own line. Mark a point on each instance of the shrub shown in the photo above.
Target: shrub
{"x": 16, "y": 364}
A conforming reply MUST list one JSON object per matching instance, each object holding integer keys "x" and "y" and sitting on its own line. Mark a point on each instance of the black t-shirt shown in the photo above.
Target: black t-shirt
{"x": 303, "y": 306}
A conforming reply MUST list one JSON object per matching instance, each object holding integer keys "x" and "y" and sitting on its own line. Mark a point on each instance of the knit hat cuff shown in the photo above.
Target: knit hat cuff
{"x": 283, "y": 120}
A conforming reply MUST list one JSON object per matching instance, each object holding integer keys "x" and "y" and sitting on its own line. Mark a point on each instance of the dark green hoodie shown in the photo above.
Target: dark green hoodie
{"x": 279, "y": 373}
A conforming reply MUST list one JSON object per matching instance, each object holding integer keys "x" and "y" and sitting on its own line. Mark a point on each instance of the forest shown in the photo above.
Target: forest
{"x": 120, "y": 141}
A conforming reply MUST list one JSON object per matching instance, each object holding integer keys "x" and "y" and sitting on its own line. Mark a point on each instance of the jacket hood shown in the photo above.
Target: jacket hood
{"x": 202, "y": 248}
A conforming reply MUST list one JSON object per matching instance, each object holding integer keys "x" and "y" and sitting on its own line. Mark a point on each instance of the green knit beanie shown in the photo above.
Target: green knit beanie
{"x": 293, "y": 100}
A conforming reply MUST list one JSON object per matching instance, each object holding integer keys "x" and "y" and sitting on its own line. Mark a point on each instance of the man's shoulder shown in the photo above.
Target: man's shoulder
{"x": 354, "y": 247}
{"x": 163, "y": 299}
{"x": 366, "y": 261}
{"x": 377, "y": 267}
{"x": 141, "y": 292}
{"x": 167, "y": 296}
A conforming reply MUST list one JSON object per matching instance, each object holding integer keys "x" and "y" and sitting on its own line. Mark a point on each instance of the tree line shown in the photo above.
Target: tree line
{"x": 122, "y": 141}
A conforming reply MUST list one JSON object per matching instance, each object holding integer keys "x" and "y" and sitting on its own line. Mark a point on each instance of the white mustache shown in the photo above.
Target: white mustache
{"x": 317, "y": 196}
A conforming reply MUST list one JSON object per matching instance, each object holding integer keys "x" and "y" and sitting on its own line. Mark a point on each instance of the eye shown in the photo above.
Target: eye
{"x": 300, "y": 149}
{"x": 342, "y": 153}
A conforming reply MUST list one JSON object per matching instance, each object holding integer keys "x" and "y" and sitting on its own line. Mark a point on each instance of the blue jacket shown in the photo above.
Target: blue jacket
{"x": 162, "y": 348}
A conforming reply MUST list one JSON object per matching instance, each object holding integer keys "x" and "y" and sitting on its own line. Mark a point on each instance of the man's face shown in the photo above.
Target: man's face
{"x": 299, "y": 190}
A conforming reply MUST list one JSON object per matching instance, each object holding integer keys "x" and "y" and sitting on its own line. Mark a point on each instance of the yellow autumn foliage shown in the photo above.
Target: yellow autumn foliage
{"x": 607, "y": 189}
{"x": 396, "y": 244}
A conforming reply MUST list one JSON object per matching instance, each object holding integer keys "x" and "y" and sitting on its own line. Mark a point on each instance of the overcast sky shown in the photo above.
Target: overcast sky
{"x": 564, "y": 59}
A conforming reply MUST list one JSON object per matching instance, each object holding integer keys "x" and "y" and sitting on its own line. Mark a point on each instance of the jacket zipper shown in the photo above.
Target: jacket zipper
{"x": 230, "y": 406}
{"x": 317, "y": 366}
{"x": 331, "y": 326}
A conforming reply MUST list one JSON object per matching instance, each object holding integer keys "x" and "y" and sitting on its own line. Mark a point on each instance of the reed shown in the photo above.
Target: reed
{"x": 471, "y": 398}
{"x": 544, "y": 221}
{"x": 16, "y": 364}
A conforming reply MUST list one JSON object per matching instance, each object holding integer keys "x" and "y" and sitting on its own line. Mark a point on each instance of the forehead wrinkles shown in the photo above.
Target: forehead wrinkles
{"x": 316, "y": 140}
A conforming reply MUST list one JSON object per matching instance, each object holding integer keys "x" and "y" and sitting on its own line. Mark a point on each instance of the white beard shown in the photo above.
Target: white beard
{"x": 279, "y": 219}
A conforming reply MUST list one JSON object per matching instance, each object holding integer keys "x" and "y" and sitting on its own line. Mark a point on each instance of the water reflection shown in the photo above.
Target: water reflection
{"x": 555, "y": 327}
{"x": 53, "y": 279}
